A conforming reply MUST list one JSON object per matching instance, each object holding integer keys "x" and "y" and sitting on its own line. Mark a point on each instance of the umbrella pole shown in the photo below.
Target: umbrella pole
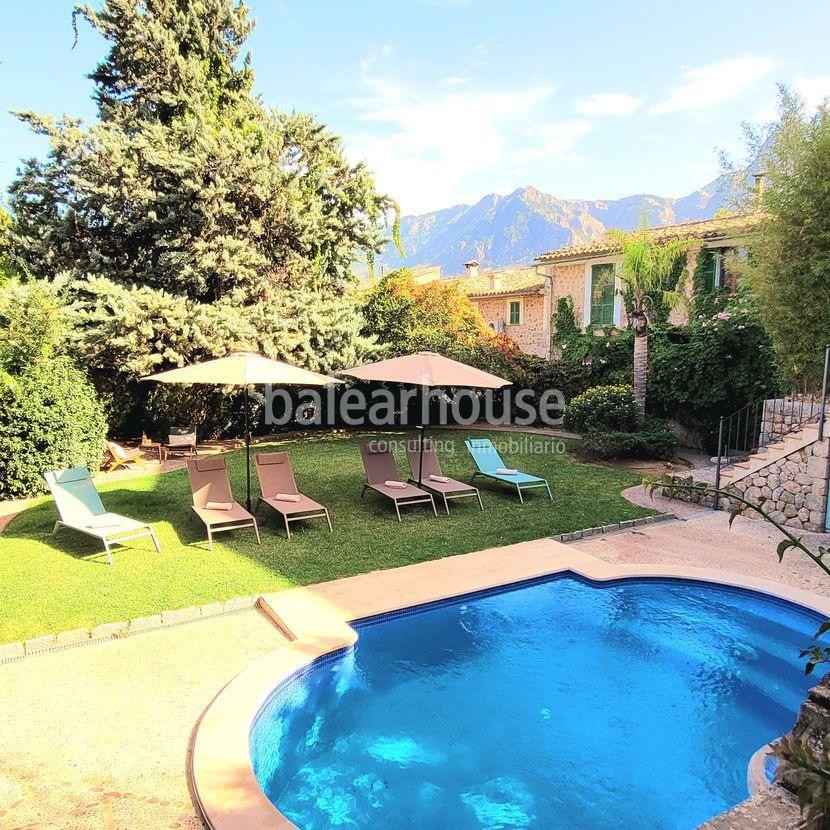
{"x": 247, "y": 453}
{"x": 421, "y": 457}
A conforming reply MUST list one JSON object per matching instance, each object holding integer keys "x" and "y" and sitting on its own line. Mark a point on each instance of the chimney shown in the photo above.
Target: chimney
{"x": 758, "y": 180}
{"x": 495, "y": 281}
{"x": 472, "y": 268}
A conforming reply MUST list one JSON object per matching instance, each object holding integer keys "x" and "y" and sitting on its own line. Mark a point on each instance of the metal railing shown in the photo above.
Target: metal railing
{"x": 768, "y": 421}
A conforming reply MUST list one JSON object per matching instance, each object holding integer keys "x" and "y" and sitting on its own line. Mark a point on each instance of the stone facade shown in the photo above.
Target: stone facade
{"x": 795, "y": 487}
{"x": 532, "y": 335}
{"x": 568, "y": 279}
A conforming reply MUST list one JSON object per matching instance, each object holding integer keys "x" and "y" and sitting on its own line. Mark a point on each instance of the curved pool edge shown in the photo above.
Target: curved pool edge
{"x": 315, "y": 621}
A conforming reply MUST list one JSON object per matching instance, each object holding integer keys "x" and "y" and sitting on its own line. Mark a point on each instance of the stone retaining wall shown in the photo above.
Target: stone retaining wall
{"x": 795, "y": 487}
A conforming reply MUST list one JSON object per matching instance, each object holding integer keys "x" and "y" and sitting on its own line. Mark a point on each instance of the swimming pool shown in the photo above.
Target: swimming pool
{"x": 559, "y": 704}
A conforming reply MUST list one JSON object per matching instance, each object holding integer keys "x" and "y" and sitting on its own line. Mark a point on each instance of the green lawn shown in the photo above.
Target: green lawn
{"x": 55, "y": 583}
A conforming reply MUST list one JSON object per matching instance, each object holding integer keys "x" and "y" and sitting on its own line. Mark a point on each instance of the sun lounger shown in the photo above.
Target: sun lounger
{"x": 382, "y": 476}
{"x": 432, "y": 477}
{"x": 489, "y": 464}
{"x": 279, "y": 490}
{"x": 213, "y": 500}
{"x": 80, "y": 508}
{"x": 183, "y": 440}
{"x": 120, "y": 457}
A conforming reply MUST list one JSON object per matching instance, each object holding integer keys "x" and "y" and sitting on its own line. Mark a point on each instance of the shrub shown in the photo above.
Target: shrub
{"x": 50, "y": 418}
{"x": 654, "y": 440}
{"x": 716, "y": 365}
{"x": 603, "y": 408}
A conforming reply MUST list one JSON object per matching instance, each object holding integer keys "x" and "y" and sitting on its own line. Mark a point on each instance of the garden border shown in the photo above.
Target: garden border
{"x": 47, "y": 643}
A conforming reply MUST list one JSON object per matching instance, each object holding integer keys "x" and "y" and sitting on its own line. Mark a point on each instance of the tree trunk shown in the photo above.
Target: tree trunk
{"x": 640, "y": 371}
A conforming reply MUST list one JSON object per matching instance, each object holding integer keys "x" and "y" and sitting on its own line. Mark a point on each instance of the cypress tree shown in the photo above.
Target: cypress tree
{"x": 187, "y": 182}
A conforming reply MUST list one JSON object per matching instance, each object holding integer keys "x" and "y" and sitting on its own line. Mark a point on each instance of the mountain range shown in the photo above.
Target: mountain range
{"x": 514, "y": 229}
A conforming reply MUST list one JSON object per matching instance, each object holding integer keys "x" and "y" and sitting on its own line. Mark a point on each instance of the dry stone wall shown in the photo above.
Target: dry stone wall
{"x": 795, "y": 487}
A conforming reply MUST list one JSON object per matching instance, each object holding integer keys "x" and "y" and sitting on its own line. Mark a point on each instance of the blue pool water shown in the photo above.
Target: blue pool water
{"x": 561, "y": 704}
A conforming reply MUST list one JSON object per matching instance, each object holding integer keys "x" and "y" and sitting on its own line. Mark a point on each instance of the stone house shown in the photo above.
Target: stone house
{"x": 589, "y": 273}
{"x": 515, "y": 301}
{"x": 520, "y": 301}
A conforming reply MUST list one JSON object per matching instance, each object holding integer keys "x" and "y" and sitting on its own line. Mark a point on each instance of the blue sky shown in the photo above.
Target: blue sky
{"x": 450, "y": 99}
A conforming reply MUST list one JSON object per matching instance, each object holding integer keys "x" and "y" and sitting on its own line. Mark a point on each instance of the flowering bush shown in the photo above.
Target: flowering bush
{"x": 720, "y": 362}
{"x": 608, "y": 408}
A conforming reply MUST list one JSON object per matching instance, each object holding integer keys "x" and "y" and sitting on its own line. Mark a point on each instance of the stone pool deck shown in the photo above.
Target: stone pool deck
{"x": 98, "y": 736}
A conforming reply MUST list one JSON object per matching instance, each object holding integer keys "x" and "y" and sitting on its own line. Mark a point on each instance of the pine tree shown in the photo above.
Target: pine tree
{"x": 187, "y": 183}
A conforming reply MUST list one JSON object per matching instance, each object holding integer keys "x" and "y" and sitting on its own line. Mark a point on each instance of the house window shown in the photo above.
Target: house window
{"x": 715, "y": 271}
{"x": 515, "y": 313}
{"x": 603, "y": 293}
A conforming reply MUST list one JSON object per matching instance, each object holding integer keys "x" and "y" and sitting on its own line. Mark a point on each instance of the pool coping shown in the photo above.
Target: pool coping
{"x": 315, "y": 620}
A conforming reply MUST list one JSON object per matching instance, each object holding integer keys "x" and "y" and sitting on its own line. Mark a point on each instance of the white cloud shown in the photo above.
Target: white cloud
{"x": 716, "y": 83}
{"x": 553, "y": 140}
{"x": 813, "y": 91}
{"x": 426, "y": 146}
{"x": 606, "y": 103}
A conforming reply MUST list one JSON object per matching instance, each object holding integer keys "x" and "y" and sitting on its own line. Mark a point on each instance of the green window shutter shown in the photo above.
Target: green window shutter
{"x": 603, "y": 294}
{"x": 515, "y": 313}
{"x": 710, "y": 268}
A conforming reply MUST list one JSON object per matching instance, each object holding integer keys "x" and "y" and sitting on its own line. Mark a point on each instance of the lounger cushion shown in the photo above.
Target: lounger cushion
{"x": 215, "y": 462}
{"x": 446, "y": 487}
{"x": 288, "y": 508}
{"x": 237, "y": 513}
{"x": 294, "y": 497}
{"x": 408, "y": 491}
{"x": 266, "y": 458}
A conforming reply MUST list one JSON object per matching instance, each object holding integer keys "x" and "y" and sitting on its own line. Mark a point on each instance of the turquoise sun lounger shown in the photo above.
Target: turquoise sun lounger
{"x": 488, "y": 463}
{"x": 79, "y": 507}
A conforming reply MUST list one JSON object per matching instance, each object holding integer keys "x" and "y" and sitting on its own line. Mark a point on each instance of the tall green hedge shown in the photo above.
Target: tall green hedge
{"x": 49, "y": 418}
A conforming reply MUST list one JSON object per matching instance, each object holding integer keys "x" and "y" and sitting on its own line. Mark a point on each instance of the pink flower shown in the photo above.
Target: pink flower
{"x": 724, "y": 315}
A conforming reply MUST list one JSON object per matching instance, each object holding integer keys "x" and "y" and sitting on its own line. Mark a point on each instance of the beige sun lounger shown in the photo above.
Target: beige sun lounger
{"x": 432, "y": 475}
{"x": 213, "y": 500}
{"x": 276, "y": 479}
{"x": 181, "y": 439}
{"x": 120, "y": 456}
{"x": 380, "y": 469}
{"x": 80, "y": 508}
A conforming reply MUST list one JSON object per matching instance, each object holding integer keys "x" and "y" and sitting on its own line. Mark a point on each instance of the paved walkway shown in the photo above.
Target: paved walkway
{"x": 96, "y": 737}
{"x": 704, "y": 540}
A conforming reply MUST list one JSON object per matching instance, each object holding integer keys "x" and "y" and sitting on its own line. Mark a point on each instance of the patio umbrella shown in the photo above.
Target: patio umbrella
{"x": 244, "y": 369}
{"x": 426, "y": 369}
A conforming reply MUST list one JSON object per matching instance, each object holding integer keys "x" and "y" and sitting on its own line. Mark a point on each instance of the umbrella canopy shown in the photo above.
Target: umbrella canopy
{"x": 244, "y": 369}
{"x": 427, "y": 369}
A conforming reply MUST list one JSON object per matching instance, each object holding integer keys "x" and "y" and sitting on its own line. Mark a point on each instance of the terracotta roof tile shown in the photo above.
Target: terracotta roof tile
{"x": 704, "y": 229}
{"x": 509, "y": 282}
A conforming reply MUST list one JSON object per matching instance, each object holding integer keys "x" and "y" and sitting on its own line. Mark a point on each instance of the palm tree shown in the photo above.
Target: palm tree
{"x": 648, "y": 266}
